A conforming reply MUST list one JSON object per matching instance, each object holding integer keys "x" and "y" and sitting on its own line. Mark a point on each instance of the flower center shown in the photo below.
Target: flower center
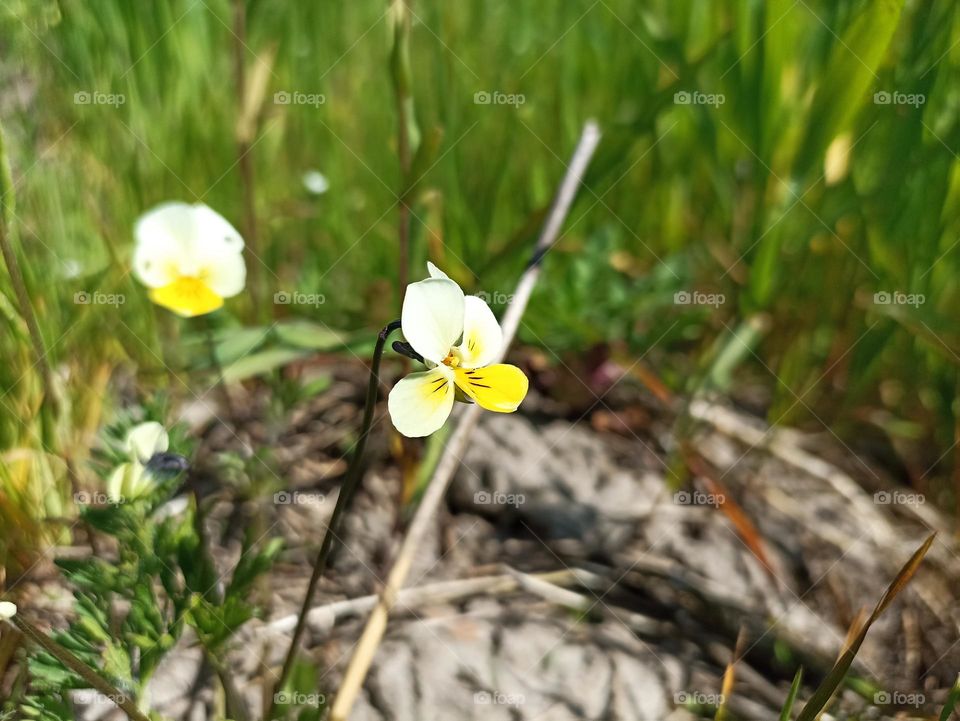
{"x": 453, "y": 359}
{"x": 188, "y": 296}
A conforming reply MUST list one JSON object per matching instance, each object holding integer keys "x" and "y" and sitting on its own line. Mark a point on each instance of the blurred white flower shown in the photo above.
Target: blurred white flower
{"x": 7, "y": 610}
{"x": 435, "y": 316}
{"x": 316, "y": 182}
{"x": 189, "y": 256}
{"x": 72, "y": 268}
{"x": 130, "y": 480}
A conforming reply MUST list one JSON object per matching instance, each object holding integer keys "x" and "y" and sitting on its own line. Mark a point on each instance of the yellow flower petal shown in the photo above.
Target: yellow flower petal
{"x": 187, "y": 296}
{"x": 499, "y": 388}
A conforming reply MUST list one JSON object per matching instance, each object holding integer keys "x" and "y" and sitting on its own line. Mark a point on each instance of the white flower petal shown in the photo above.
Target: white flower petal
{"x": 435, "y": 272}
{"x": 226, "y": 274}
{"x": 482, "y": 336}
{"x": 210, "y": 228}
{"x": 116, "y": 482}
{"x": 316, "y": 182}
{"x": 146, "y": 439}
{"x": 7, "y": 610}
{"x": 421, "y": 403}
{"x": 163, "y": 238}
{"x": 432, "y": 317}
{"x": 137, "y": 482}
{"x": 177, "y": 239}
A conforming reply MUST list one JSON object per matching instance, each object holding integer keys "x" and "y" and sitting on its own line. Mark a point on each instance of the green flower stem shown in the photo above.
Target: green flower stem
{"x": 107, "y": 689}
{"x": 347, "y": 491}
{"x": 218, "y": 369}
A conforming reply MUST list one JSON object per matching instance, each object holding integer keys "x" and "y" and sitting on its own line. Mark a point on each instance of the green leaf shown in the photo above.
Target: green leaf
{"x": 309, "y": 336}
{"x": 792, "y": 696}
{"x": 316, "y": 386}
{"x": 952, "y": 699}
{"x": 825, "y": 690}
{"x": 783, "y": 28}
{"x": 89, "y": 573}
{"x": 252, "y": 565}
{"x": 112, "y": 520}
{"x": 260, "y": 363}
{"x": 303, "y": 685}
{"x": 235, "y": 343}
{"x": 735, "y": 347}
{"x": 116, "y": 664}
{"x": 850, "y": 73}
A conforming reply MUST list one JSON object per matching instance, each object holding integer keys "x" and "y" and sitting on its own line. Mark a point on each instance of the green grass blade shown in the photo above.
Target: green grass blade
{"x": 851, "y": 71}
{"x": 825, "y": 691}
{"x": 951, "y": 703}
{"x": 792, "y": 696}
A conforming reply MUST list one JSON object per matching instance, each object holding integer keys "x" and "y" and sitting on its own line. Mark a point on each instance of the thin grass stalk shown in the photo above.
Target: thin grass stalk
{"x": 245, "y": 161}
{"x": 7, "y": 242}
{"x": 407, "y": 132}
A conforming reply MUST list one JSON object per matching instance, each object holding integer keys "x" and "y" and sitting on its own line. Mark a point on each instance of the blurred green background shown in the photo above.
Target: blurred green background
{"x": 792, "y": 159}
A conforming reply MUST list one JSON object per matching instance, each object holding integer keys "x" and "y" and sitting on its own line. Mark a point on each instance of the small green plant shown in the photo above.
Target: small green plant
{"x": 133, "y": 603}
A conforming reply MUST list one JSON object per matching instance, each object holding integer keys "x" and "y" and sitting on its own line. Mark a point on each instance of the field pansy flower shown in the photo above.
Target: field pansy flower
{"x": 459, "y": 339}
{"x": 131, "y": 479}
{"x": 7, "y": 610}
{"x": 189, "y": 256}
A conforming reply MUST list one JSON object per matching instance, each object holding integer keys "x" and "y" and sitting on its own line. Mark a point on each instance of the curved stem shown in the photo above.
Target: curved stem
{"x": 347, "y": 491}
{"x": 104, "y": 687}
